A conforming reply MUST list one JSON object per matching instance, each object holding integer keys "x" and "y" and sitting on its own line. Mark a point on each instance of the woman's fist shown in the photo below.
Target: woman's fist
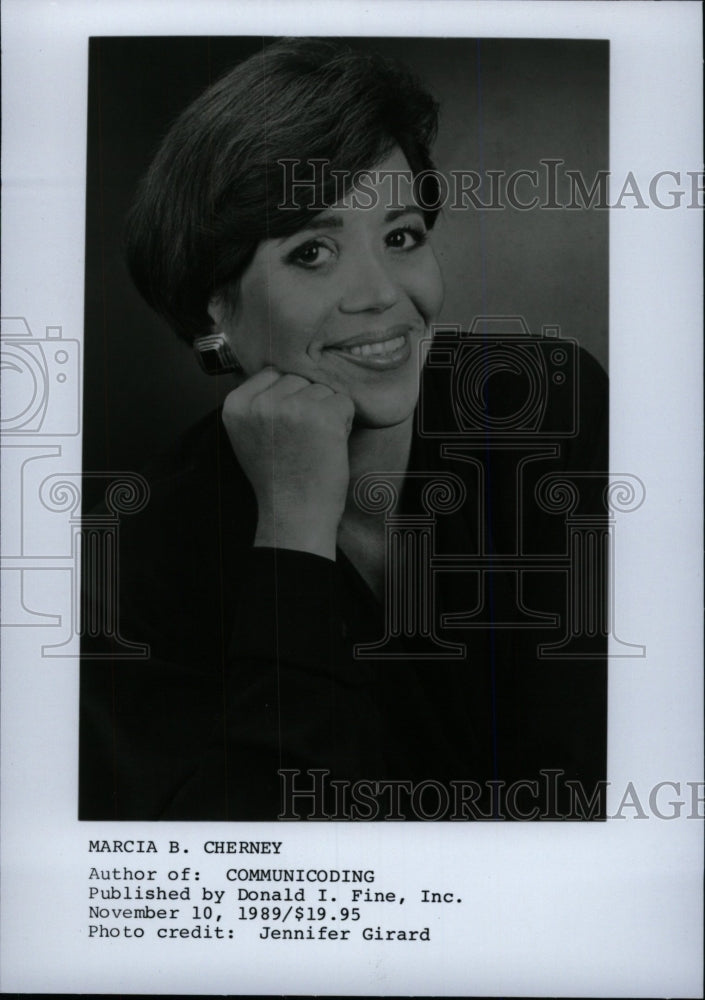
{"x": 291, "y": 438}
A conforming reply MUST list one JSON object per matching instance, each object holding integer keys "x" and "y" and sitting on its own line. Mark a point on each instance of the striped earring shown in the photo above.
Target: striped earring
{"x": 215, "y": 356}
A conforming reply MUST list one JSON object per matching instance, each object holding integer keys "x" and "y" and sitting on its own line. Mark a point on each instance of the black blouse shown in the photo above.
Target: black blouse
{"x": 256, "y": 685}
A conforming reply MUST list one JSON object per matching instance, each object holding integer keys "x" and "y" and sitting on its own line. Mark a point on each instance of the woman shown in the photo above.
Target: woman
{"x": 283, "y": 230}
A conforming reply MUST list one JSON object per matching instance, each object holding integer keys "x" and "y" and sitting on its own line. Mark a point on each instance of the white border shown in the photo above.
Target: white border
{"x": 599, "y": 910}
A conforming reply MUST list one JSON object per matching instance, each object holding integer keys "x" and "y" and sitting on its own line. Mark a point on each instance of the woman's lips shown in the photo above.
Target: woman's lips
{"x": 390, "y": 351}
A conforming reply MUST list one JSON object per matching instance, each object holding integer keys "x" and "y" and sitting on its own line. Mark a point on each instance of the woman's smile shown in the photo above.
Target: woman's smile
{"x": 378, "y": 351}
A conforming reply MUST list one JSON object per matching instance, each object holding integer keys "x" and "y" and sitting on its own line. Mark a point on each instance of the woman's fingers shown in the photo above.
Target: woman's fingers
{"x": 316, "y": 391}
{"x": 287, "y": 385}
{"x": 265, "y": 390}
{"x": 270, "y": 392}
{"x": 240, "y": 399}
{"x": 263, "y": 380}
{"x": 342, "y": 407}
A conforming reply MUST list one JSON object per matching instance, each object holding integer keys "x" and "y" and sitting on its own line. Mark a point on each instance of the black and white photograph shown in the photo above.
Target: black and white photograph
{"x": 352, "y": 498}
{"x": 377, "y": 572}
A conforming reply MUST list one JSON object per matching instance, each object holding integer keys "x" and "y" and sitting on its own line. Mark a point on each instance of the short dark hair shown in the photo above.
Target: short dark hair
{"x": 211, "y": 193}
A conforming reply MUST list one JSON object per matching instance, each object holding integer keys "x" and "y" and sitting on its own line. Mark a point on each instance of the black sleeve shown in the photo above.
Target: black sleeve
{"x": 229, "y": 695}
{"x": 290, "y": 698}
{"x": 246, "y": 673}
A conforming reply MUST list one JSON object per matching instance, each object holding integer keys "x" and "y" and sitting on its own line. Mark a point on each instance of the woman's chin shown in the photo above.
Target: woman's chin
{"x": 383, "y": 413}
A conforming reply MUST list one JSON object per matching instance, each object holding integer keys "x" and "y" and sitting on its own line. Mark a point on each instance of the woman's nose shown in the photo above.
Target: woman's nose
{"x": 369, "y": 286}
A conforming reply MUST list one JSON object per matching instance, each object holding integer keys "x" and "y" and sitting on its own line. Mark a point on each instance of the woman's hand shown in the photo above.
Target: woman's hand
{"x": 291, "y": 438}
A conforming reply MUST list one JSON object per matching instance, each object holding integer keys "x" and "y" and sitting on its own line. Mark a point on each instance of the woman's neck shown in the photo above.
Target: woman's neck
{"x": 384, "y": 449}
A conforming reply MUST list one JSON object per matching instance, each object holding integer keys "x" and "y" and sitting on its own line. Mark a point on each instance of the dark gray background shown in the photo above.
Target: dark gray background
{"x": 506, "y": 104}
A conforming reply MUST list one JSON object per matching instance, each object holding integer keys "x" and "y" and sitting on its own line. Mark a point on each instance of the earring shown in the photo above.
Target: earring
{"x": 215, "y": 356}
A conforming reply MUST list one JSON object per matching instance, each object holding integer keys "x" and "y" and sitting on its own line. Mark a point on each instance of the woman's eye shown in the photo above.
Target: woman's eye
{"x": 407, "y": 238}
{"x": 311, "y": 255}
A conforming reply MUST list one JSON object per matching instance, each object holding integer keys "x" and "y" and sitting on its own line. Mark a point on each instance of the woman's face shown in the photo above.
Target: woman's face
{"x": 345, "y": 302}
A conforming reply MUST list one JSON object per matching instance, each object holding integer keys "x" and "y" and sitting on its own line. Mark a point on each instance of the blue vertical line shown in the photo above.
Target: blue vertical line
{"x": 488, "y": 457}
{"x": 221, "y": 570}
{"x": 275, "y": 553}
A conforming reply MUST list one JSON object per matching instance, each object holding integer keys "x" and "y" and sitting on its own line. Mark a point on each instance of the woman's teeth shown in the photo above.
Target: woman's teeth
{"x": 375, "y": 350}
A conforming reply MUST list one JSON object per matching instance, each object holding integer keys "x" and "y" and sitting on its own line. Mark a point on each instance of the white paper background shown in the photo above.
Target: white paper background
{"x": 609, "y": 909}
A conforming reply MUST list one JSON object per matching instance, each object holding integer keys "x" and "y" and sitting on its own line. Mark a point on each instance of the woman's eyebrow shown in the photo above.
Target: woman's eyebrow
{"x": 395, "y": 213}
{"x": 319, "y": 222}
{"x": 336, "y": 221}
{"x": 325, "y": 222}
